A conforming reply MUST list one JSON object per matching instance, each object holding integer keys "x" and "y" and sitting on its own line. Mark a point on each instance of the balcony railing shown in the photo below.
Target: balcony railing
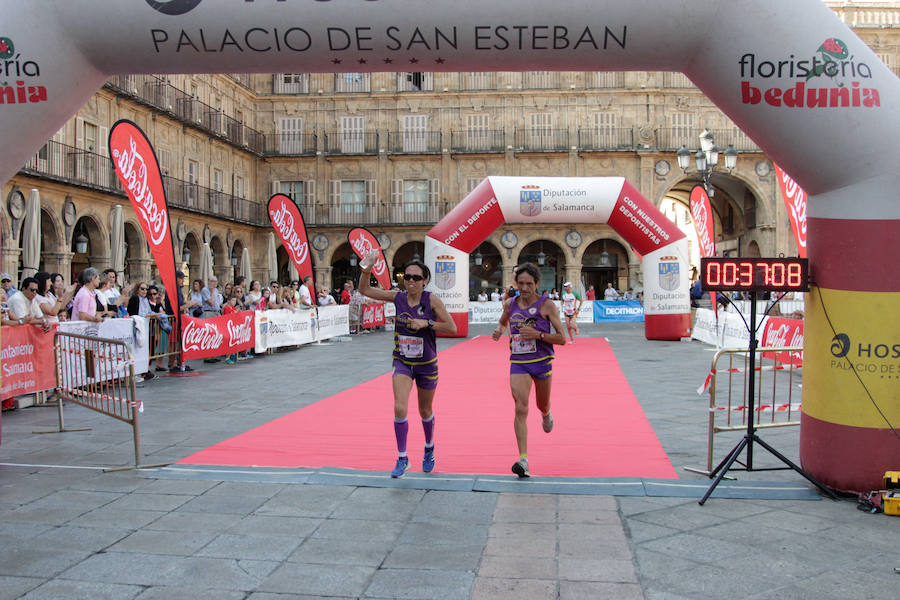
{"x": 74, "y": 166}
{"x": 163, "y": 96}
{"x": 406, "y": 213}
{"x": 477, "y": 81}
{"x": 478, "y": 140}
{"x": 352, "y": 82}
{"x": 542, "y": 140}
{"x": 609, "y": 79}
{"x": 606, "y": 139}
{"x": 351, "y": 142}
{"x": 673, "y": 138}
{"x": 296, "y": 83}
{"x": 414, "y": 142}
{"x": 291, "y": 144}
{"x": 196, "y": 198}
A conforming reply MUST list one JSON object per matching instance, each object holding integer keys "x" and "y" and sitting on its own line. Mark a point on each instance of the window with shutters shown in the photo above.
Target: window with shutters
{"x": 415, "y": 82}
{"x": 478, "y": 132}
{"x": 239, "y": 186}
{"x": 193, "y": 177}
{"x": 681, "y": 129}
{"x": 353, "y": 135}
{"x": 353, "y": 197}
{"x": 351, "y": 82}
{"x": 415, "y": 129}
{"x": 295, "y": 189}
{"x": 472, "y": 183}
{"x": 540, "y": 131}
{"x": 291, "y": 83}
{"x": 290, "y": 135}
{"x": 604, "y": 128}
{"x": 415, "y": 200}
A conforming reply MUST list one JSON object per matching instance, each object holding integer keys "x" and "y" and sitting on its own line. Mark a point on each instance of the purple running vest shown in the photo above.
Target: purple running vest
{"x": 520, "y": 317}
{"x": 414, "y": 347}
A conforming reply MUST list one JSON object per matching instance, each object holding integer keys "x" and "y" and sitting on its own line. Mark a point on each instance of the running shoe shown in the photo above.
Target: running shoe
{"x": 229, "y": 361}
{"x": 428, "y": 460}
{"x": 547, "y": 422}
{"x": 401, "y": 467}
{"x": 520, "y": 468}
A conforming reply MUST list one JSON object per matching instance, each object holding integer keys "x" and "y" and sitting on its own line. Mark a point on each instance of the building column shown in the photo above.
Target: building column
{"x": 573, "y": 274}
{"x": 323, "y": 277}
{"x": 140, "y": 269}
{"x": 9, "y": 258}
{"x": 58, "y": 262}
{"x": 508, "y": 277}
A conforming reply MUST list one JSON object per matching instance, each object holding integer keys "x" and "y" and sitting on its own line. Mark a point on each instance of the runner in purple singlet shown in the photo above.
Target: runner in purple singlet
{"x": 529, "y": 317}
{"x": 419, "y": 315}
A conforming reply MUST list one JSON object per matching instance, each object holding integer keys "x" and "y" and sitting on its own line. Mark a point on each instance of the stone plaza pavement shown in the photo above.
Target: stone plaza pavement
{"x": 70, "y": 530}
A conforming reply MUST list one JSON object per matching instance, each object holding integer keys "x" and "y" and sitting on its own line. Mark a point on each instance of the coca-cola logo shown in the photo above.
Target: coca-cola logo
{"x": 239, "y": 333}
{"x": 795, "y": 198}
{"x": 702, "y": 224}
{"x": 201, "y": 337}
{"x": 134, "y": 172}
{"x": 283, "y": 221}
{"x": 362, "y": 246}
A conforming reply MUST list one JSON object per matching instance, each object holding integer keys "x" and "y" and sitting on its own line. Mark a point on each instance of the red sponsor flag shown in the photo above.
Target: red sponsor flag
{"x": 138, "y": 170}
{"x": 225, "y": 334}
{"x": 363, "y": 241}
{"x": 795, "y": 200}
{"x": 26, "y": 352}
{"x": 288, "y": 223}
{"x": 701, "y": 215}
{"x": 373, "y": 315}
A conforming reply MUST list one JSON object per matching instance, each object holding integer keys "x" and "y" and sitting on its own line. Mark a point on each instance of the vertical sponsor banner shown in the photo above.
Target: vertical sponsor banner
{"x": 26, "y": 353}
{"x": 288, "y": 223}
{"x": 225, "y": 334}
{"x": 363, "y": 241}
{"x": 701, "y": 214}
{"x": 795, "y": 201}
{"x": 137, "y": 168}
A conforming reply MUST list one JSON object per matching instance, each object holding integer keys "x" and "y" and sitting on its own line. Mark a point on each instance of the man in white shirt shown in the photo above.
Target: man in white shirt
{"x": 610, "y": 293}
{"x": 496, "y": 296}
{"x": 22, "y": 307}
{"x": 305, "y": 296}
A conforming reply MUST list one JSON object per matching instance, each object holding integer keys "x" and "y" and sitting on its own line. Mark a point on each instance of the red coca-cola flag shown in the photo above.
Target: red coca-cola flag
{"x": 288, "y": 223}
{"x": 701, "y": 215}
{"x": 218, "y": 336}
{"x": 138, "y": 170}
{"x": 795, "y": 200}
{"x": 363, "y": 241}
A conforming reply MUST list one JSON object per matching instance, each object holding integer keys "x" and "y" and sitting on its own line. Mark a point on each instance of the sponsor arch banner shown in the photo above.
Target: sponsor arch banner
{"x": 610, "y": 200}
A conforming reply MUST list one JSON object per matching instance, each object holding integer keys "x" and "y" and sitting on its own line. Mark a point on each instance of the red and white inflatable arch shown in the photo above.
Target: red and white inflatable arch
{"x": 611, "y": 200}
{"x": 791, "y": 75}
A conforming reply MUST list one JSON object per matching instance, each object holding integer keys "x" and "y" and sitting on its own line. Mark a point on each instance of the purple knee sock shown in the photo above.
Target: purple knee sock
{"x": 428, "y": 426}
{"x": 401, "y": 428}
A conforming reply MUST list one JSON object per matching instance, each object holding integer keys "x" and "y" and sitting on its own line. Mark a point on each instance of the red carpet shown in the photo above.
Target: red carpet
{"x": 600, "y": 429}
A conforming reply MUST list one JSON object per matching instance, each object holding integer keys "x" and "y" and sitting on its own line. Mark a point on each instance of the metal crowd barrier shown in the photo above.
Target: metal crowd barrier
{"x": 775, "y": 404}
{"x": 98, "y": 374}
{"x": 163, "y": 343}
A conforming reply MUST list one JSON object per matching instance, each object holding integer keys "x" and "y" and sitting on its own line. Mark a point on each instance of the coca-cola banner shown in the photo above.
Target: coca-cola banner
{"x": 701, "y": 214}
{"x": 373, "y": 315}
{"x": 363, "y": 241}
{"x": 795, "y": 200}
{"x": 225, "y": 334}
{"x": 288, "y": 223}
{"x": 138, "y": 170}
{"x": 779, "y": 332}
{"x": 26, "y": 353}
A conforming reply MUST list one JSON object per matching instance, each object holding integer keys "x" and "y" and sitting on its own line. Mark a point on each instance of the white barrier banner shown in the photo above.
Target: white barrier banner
{"x": 133, "y": 331}
{"x": 283, "y": 327}
{"x": 731, "y": 332}
{"x": 485, "y": 312}
{"x": 585, "y": 312}
{"x": 389, "y": 310}
{"x": 334, "y": 320}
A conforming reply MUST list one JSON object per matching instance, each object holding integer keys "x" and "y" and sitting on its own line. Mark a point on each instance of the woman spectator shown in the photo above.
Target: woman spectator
{"x": 84, "y": 306}
{"x": 253, "y": 295}
{"x": 49, "y": 304}
{"x": 554, "y": 295}
{"x": 226, "y": 293}
{"x": 157, "y": 311}
{"x": 263, "y": 303}
{"x": 197, "y": 297}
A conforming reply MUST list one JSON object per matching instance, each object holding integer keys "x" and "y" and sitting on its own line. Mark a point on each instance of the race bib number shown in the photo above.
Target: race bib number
{"x": 411, "y": 346}
{"x": 523, "y": 346}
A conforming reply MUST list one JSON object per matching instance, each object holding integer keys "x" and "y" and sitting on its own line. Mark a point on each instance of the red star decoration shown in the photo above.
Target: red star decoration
{"x": 361, "y": 61}
{"x": 388, "y": 61}
{"x": 414, "y": 60}
{"x": 439, "y": 61}
{"x": 336, "y": 61}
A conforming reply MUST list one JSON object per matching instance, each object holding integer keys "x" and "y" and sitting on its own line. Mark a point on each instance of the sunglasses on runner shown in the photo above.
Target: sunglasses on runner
{"x": 412, "y": 277}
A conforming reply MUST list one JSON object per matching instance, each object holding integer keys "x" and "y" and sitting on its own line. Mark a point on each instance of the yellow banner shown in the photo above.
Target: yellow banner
{"x": 852, "y": 357}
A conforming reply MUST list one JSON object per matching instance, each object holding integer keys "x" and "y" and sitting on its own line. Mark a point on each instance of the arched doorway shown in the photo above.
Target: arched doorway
{"x": 87, "y": 243}
{"x": 485, "y": 270}
{"x": 605, "y": 261}
{"x": 190, "y": 257}
{"x": 51, "y": 243}
{"x": 404, "y": 254}
{"x": 549, "y": 258}
{"x": 134, "y": 253}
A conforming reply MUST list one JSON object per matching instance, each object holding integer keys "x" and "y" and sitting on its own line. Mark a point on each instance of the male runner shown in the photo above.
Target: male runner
{"x": 571, "y": 303}
{"x": 529, "y": 317}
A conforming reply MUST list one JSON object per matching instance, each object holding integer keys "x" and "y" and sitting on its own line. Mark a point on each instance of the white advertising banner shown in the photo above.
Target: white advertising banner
{"x": 449, "y": 276}
{"x": 489, "y": 312}
{"x": 282, "y": 327}
{"x": 132, "y": 331}
{"x": 731, "y": 332}
{"x": 334, "y": 320}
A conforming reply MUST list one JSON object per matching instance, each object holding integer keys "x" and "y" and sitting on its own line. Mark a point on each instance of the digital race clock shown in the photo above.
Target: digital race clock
{"x": 728, "y": 274}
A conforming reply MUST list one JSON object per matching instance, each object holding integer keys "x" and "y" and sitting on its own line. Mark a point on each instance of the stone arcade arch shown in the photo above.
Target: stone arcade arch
{"x": 790, "y": 74}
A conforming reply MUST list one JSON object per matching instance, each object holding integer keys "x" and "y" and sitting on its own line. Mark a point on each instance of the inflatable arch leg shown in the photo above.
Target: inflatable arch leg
{"x": 611, "y": 200}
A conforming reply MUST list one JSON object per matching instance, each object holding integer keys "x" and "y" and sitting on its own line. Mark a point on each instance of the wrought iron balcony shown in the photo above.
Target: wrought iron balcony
{"x": 473, "y": 141}
{"x": 414, "y": 142}
{"x": 351, "y": 142}
{"x": 74, "y": 166}
{"x": 291, "y": 144}
{"x": 542, "y": 140}
{"x": 207, "y": 201}
{"x": 594, "y": 139}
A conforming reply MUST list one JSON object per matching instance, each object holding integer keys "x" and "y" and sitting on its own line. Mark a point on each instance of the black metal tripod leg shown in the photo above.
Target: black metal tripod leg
{"x": 786, "y": 461}
{"x": 729, "y": 460}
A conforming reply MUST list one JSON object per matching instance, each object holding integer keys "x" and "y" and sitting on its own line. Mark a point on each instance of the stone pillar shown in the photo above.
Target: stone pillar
{"x": 224, "y": 274}
{"x": 9, "y": 258}
{"x": 58, "y": 262}
{"x": 139, "y": 269}
{"x": 508, "y": 277}
{"x": 573, "y": 274}
{"x": 323, "y": 278}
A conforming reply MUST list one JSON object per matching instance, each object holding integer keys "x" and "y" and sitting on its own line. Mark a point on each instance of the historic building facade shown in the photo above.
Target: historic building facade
{"x": 394, "y": 152}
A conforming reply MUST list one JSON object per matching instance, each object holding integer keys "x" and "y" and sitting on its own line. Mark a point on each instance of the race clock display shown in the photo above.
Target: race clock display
{"x": 729, "y": 274}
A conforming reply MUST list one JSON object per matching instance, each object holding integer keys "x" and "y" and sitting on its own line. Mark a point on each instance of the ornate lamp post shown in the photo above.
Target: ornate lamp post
{"x": 707, "y": 159}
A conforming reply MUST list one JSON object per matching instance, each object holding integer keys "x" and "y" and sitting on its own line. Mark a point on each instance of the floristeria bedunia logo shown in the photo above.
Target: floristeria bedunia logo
{"x": 17, "y": 92}
{"x": 832, "y": 65}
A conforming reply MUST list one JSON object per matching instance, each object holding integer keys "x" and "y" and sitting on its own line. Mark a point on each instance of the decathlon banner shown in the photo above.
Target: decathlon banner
{"x": 26, "y": 354}
{"x": 288, "y": 222}
{"x": 618, "y": 310}
{"x": 137, "y": 168}
{"x": 610, "y": 200}
{"x": 795, "y": 201}
{"x": 363, "y": 241}
{"x": 225, "y": 334}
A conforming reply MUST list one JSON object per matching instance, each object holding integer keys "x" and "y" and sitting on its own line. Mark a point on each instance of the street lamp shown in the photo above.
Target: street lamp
{"x": 707, "y": 159}
{"x": 353, "y": 260}
{"x": 186, "y": 255}
{"x": 479, "y": 259}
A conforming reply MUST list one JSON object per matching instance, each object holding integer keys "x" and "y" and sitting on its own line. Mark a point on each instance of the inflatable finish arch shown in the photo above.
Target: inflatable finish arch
{"x": 790, "y": 74}
{"x": 611, "y": 200}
